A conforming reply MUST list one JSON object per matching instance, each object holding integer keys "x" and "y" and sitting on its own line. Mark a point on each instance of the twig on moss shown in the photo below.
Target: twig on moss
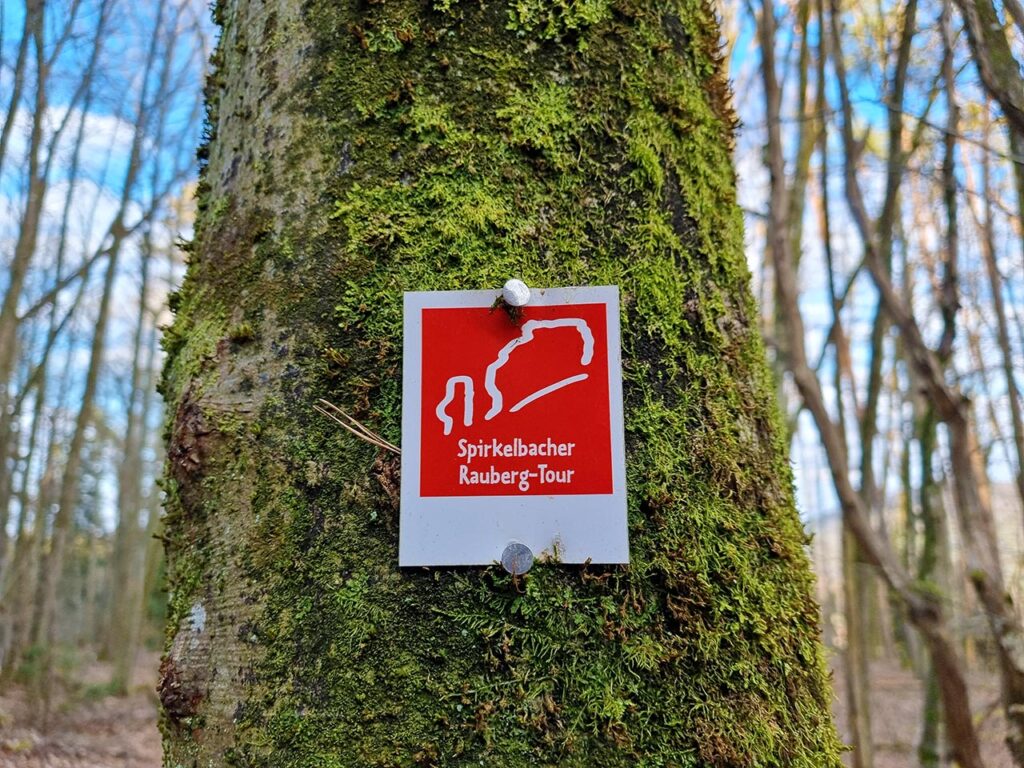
{"x": 353, "y": 425}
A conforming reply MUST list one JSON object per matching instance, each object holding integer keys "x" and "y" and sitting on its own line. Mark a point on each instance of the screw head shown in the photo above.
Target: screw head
{"x": 517, "y": 558}
{"x": 515, "y": 293}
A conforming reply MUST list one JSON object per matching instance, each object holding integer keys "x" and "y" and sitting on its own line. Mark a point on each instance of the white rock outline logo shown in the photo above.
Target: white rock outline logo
{"x": 497, "y": 399}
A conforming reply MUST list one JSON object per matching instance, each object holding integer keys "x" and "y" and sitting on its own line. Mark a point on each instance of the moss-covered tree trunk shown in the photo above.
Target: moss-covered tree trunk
{"x": 359, "y": 150}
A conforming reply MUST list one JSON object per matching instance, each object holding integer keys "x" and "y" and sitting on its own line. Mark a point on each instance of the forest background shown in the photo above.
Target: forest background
{"x": 880, "y": 161}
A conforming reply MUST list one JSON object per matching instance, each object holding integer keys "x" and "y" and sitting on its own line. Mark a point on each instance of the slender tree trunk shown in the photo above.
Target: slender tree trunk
{"x": 25, "y": 611}
{"x": 932, "y": 520}
{"x": 1016, "y": 139}
{"x": 153, "y": 544}
{"x": 1000, "y": 73}
{"x": 995, "y": 284}
{"x": 24, "y": 249}
{"x": 126, "y": 649}
{"x": 855, "y": 661}
{"x": 807, "y": 132}
{"x": 126, "y": 565}
{"x": 407, "y": 148}
{"x": 53, "y": 564}
{"x": 33, "y": 10}
{"x": 14, "y": 573}
{"x": 931, "y": 524}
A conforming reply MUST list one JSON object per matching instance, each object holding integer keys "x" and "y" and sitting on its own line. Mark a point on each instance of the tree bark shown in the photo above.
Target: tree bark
{"x": 355, "y": 154}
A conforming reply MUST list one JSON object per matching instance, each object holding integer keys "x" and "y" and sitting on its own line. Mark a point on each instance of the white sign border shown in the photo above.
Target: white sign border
{"x": 463, "y": 530}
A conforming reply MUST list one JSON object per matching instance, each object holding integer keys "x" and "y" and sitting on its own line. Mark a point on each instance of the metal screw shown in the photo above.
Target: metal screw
{"x": 517, "y": 558}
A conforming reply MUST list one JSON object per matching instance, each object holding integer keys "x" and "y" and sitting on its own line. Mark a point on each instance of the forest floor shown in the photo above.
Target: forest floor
{"x": 896, "y": 696}
{"x": 90, "y": 730}
{"x": 87, "y": 728}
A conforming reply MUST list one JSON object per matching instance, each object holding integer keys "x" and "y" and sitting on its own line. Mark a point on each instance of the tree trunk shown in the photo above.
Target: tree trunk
{"x": 854, "y": 565}
{"x": 355, "y": 154}
{"x": 995, "y": 284}
{"x": 126, "y": 560}
{"x": 24, "y": 249}
{"x": 52, "y": 566}
{"x": 32, "y": 9}
{"x": 855, "y": 662}
{"x": 132, "y": 592}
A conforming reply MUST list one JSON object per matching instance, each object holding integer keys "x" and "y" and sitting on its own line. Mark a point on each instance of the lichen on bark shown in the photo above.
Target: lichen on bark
{"x": 357, "y": 151}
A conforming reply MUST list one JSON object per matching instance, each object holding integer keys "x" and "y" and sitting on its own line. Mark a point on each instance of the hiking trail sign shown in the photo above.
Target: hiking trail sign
{"x": 512, "y": 430}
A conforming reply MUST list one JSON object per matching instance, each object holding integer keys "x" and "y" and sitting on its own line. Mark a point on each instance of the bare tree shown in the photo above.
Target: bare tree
{"x": 951, "y": 408}
{"x": 923, "y": 611}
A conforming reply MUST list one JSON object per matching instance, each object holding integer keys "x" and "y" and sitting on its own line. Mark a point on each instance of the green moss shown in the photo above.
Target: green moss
{"x": 552, "y": 19}
{"x": 240, "y": 333}
{"x": 188, "y": 347}
{"x": 542, "y": 120}
{"x": 565, "y": 144}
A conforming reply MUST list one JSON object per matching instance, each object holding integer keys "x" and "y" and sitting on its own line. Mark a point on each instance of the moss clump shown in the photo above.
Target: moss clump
{"x": 557, "y": 18}
{"x": 542, "y": 120}
{"x": 240, "y": 333}
{"x": 574, "y": 143}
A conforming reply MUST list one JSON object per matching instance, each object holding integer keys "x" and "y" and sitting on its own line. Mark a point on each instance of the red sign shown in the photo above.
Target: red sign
{"x": 515, "y": 408}
{"x": 512, "y": 432}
